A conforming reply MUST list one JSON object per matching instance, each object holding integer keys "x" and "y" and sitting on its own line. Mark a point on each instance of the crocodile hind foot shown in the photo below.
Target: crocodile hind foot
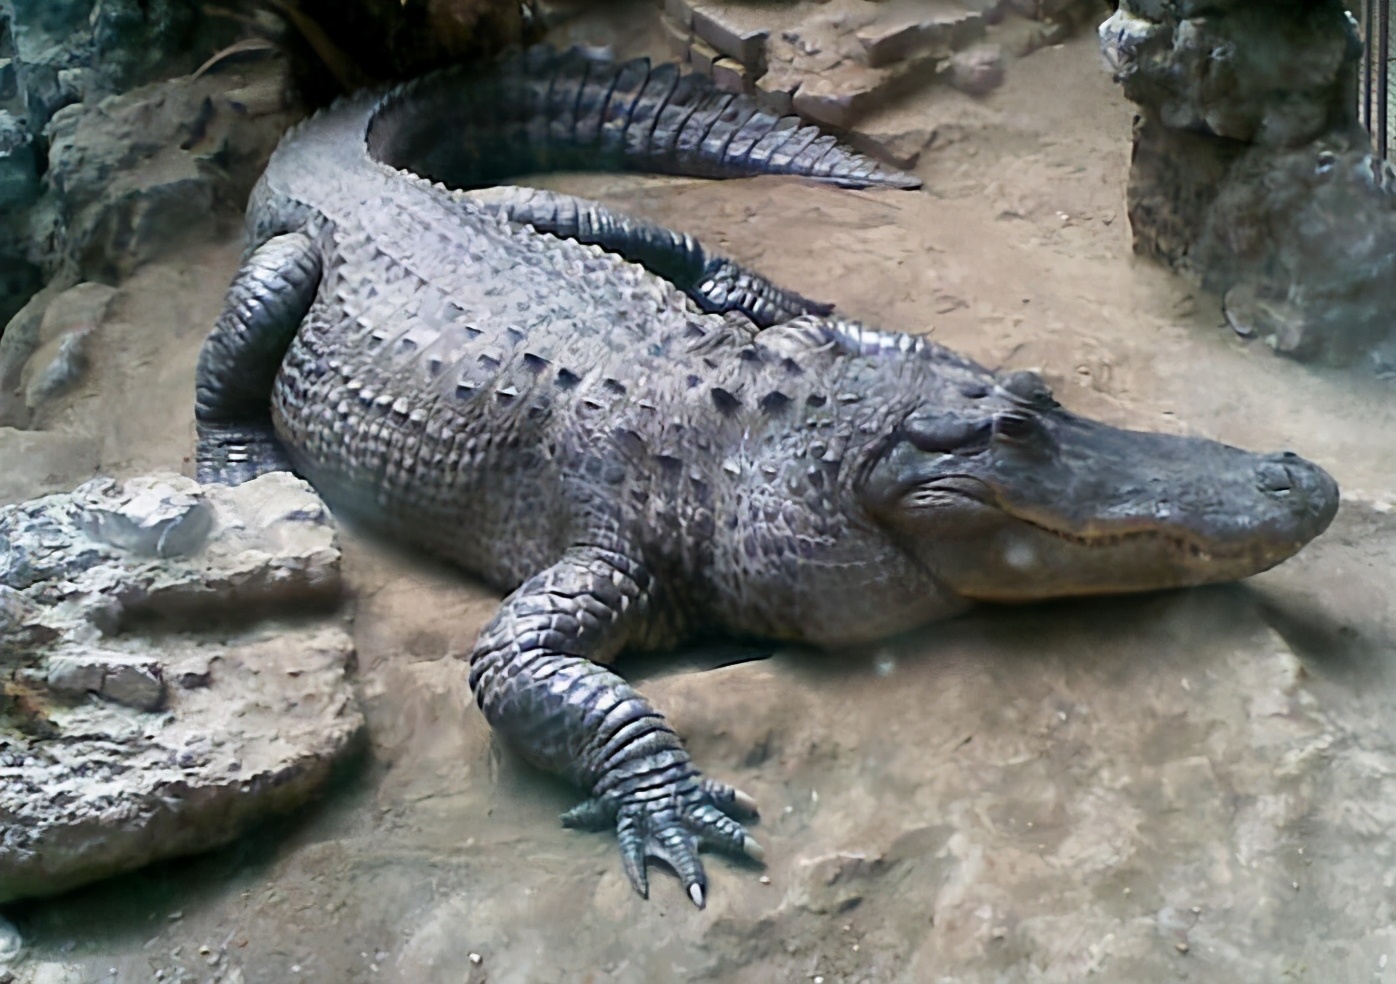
{"x": 266, "y": 301}
{"x": 533, "y": 673}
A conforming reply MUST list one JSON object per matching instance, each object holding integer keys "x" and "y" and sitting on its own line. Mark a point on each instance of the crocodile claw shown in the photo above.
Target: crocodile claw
{"x": 671, "y": 825}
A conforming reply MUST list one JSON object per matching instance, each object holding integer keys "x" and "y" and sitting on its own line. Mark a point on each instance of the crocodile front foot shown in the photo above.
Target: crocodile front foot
{"x": 670, "y": 823}
{"x": 536, "y": 674}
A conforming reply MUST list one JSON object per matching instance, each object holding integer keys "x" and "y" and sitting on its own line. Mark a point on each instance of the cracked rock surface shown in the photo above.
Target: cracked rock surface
{"x": 148, "y": 710}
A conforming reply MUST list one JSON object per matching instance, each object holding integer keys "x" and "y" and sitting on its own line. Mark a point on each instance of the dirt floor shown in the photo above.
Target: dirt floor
{"x": 1195, "y": 786}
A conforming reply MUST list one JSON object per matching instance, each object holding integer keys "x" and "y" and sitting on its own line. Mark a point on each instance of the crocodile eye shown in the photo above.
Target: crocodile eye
{"x": 1027, "y": 389}
{"x": 1012, "y": 425}
{"x": 946, "y": 434}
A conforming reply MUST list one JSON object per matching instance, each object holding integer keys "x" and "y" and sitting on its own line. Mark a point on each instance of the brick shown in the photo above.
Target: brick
{"x": 776, "y": 91}
{"x": 731, "y": 75}
{"x": 937, "y": 30}
{"x": 702, "y": 55}
{"x": 736, "y": 31}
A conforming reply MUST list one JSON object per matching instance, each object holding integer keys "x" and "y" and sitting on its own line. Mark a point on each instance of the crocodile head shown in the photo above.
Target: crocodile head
{"x": 1007, "y": 497}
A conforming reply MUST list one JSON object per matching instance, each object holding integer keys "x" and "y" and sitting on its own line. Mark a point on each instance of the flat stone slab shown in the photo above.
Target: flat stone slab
{"x": 119, "y": 747}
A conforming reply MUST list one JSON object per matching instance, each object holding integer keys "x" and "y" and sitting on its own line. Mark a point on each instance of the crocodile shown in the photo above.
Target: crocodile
{"x": 639, "y": 441}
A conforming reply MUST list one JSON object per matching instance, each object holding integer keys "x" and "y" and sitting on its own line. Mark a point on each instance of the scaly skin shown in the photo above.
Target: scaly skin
{"x": 631, "y": 468}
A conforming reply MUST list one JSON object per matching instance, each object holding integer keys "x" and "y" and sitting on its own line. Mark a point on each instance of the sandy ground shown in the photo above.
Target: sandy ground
{"x": 1191, "y": 786}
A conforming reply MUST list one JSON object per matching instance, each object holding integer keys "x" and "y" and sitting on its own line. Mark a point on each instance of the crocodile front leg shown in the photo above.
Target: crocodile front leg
{"x": 716, "y": 283}
{"x": 267, "y": 300}
{"x": 534, "y": 676}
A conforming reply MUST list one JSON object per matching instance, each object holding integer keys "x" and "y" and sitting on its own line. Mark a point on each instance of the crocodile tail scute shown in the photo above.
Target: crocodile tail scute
{"x": 548, "y": 110}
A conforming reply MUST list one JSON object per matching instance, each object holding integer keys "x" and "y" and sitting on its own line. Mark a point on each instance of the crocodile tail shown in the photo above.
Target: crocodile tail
{"x": 545, "y": 110}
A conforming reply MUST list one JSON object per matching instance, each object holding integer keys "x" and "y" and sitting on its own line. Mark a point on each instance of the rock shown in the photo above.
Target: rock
{"x": 132, "y": 681}
{"x": 46, "y": 321}
{"x": 702, "y": 55}
{"x": 736, "y": 30}
{"x": 45, "y": 351}
{"x": 977, "y": 71}
{"x": 11, "y": 943}
{"x": 19, "y": 187}
{"x": 1256, "y": 74}
{"x": 19, "y": 278}
{"x": 69, "y": 325}
{"x": 68, "y": 49}
{"x": 106, "y": 766}
{"x": 19, "y": 166}
{"x": 731, "y": 75}
{"x": 1251, "y": 175}
{"x": 144, "y": 173}
{"x": 902, "y": 31}
{"x": 37, "y": 462}
{"x": 895, "y": 135}
{"x": 150, "y": 517}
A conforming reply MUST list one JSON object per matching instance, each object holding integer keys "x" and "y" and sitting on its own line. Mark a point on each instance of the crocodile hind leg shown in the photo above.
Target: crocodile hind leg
{"x": 716, "y": 283}
{"x": 534, "y": 676}
{"x": 268, "y": 297}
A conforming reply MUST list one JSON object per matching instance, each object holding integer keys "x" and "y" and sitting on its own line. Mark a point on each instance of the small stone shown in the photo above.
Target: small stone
{"x": 1181, "y": 946}
{"x": 135, "y": 684}
{"x": 977, "y": 71}
{"x": 764, "y": 879}
{"x": 476, "y": 959}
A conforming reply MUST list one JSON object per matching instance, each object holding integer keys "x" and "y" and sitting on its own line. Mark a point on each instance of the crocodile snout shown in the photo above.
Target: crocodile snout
{"x": 1307, "y": 490}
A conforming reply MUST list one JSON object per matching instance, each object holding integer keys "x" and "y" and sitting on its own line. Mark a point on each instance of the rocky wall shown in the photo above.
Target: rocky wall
{"x": 1251, "y": 174}
{"x": 59, "y": 53}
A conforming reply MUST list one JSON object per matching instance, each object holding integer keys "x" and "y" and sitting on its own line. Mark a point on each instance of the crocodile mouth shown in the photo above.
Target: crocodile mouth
{"x": 1176, "y": 540}
{"x": 1180, "y": 543}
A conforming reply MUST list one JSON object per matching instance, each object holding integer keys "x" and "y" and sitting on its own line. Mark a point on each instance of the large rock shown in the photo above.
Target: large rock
{"x": 1251, "y": 175}
{"x": 119, "y": 749}
{"x": 68, "y": 50}
{"x": 144, "y": 173}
